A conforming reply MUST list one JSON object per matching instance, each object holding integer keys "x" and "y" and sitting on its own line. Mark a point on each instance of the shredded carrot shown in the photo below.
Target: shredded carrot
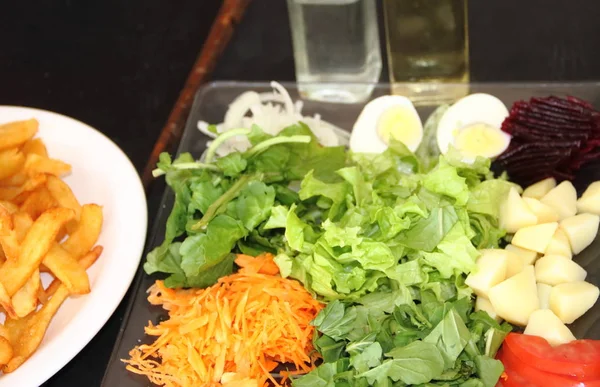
{"x": 232, "y": 334}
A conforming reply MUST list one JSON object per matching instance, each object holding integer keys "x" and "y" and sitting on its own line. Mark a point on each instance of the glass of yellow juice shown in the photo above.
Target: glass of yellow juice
{"x": 427, "y": 44}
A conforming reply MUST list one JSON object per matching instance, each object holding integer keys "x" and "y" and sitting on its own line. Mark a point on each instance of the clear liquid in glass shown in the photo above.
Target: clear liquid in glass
{"x": 335, "y": 42}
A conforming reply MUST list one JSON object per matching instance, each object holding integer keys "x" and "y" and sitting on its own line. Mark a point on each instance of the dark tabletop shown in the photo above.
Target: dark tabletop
{"x": 119, "y": 66}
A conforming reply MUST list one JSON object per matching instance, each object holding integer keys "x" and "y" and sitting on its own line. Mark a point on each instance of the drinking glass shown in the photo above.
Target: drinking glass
{"x": 427, "y": 43}
{"x": 336, "y": 48}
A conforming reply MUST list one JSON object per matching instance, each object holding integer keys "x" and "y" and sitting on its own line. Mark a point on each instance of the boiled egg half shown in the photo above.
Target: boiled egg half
{"x": 384, "y": 118}
{"x": 472, "y": 126}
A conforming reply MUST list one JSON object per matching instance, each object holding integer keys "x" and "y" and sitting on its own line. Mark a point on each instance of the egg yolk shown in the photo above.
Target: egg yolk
{"x": 480, "y": 140}
{"x": 399, "y": 123}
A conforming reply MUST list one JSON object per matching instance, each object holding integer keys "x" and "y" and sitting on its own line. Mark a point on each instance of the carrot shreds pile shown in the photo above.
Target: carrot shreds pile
{"x": 233, "y": 333}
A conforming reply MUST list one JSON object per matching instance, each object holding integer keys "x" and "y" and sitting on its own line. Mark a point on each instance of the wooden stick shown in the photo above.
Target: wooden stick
{"x": 230, "y": 14}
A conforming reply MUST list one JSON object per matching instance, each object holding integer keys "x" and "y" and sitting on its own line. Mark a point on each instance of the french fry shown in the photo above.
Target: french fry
{"x": 66, "y": 268}
{"x": 9, "y": 206}
{"x": 6, "y": 302}
{"x": 63, "y": 195}
{"x": 17, "y": 195}
{"x": 35, "y": 146}
{"x": 85, "y": 261}
{"x": 38, "y": 202}
{"x": 13, "y": 134}
{"x": 25, "y": 299}
{"x": 37, "y": 242}
{"x": 9, "y": 193}
{"x": 26, "y": 334}
{"x": 14, "y": 181}
{"x": 8, "y": 237}
{"x": 41, "y": 294}
{"x": 6, "y": 352}
{"x": 38, "y": 211}
{"x": 12, "y": 160}
{"x": 35, "y": 164}
{"x": 10, "y": 246}
{"x": 22, "y": 222}
{"x": 87, "y": 232}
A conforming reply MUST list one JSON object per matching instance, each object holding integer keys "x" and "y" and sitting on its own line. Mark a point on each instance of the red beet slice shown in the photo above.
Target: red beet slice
{"x": 551, "y": 136}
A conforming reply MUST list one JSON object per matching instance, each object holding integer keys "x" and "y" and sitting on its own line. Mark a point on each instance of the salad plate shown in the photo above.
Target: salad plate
{"x": 210, "y": 107}
{"x": 101, "y": 173}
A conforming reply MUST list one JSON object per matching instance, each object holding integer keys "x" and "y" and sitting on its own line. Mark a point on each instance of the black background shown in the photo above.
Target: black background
{"x": 119, "y": 65}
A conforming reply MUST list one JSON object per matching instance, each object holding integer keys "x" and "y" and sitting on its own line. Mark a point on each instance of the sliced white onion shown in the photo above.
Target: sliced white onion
{"x": 272, "y": 112}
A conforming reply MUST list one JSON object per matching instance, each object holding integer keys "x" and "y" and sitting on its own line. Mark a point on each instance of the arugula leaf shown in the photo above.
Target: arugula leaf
{"x": 204, "y": 193}
{"x": 450, "y": 336}
{"x": 167, "y": 262}
{"x": 489, "y": 370}
{"x": 210, "y": 277}
{"x": 325, "y": 375}
{"x": 323, "y": 161}
{"x": 232, "y": 165}
{"x": 254, "y": 203}
{"x": 203, "y": 251}
{"x": 335, "y": 320}
{"x": 368, "y": 358}
{"x": 415, "y": 363}
{"x": 330, "y": 349}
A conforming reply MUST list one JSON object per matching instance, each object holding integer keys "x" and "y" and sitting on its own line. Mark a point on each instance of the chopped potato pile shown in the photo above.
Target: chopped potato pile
{"x": 534, "y": 282}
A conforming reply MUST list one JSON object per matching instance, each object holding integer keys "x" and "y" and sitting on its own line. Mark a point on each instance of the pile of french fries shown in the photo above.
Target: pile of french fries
{"x": 43, "y": 229}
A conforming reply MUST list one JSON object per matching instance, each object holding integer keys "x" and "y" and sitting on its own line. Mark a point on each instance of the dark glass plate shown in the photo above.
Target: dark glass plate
{"x": 210, "y": 105}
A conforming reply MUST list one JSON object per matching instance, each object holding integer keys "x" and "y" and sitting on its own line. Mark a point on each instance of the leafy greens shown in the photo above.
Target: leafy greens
{"x": 386, "y": 239}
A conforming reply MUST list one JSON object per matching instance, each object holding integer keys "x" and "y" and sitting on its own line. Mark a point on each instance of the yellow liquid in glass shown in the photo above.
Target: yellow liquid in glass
{"x": 427, "y": 43}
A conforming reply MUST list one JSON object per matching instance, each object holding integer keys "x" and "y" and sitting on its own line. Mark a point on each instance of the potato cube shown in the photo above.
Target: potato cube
{"x": 515, "y": 214}
{"x": 581, "y": 230}
{"x": 569, "y": 301}
{"x": 544, "y": 295}
{"x": 544, "y": 323}
{"x": 589, "y": 202}
{"x": 527, "y": 256}
{"x": 563, "y": 198}
{"x": 485, "y": 305}
{"x": 491, "y": 270}
{"x": 539, "y": 189}
{"x": 516, "y": 298}
{"x": 559, "y": 245}
{"x": 543, "y": 212}
{"x": 555, "y": 269}
{"x": 535, "y": 238}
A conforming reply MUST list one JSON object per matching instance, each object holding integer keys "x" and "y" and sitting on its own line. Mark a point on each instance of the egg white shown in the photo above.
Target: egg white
{"x": 478, "y": 108}
{"x": 365, "y": 137}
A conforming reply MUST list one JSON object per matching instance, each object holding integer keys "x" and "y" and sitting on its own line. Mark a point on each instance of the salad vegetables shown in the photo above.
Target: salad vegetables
{"x": 236, "y": 331}
{"x": 406, "y": 249}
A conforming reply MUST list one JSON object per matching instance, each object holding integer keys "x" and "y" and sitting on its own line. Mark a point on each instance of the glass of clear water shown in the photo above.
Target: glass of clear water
{"x": 336, "y": 48}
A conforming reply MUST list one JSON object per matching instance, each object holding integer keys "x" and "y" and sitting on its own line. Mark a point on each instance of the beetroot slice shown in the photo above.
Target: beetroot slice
{"x": 551, "y": 136}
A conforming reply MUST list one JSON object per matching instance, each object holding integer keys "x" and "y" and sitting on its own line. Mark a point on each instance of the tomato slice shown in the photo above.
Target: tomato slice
{"x": 520, "y": 374}
{"x": 579, "y": 358}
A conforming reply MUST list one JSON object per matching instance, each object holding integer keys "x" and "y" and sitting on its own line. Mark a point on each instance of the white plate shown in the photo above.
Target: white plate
{"x": 102, "y": 174}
